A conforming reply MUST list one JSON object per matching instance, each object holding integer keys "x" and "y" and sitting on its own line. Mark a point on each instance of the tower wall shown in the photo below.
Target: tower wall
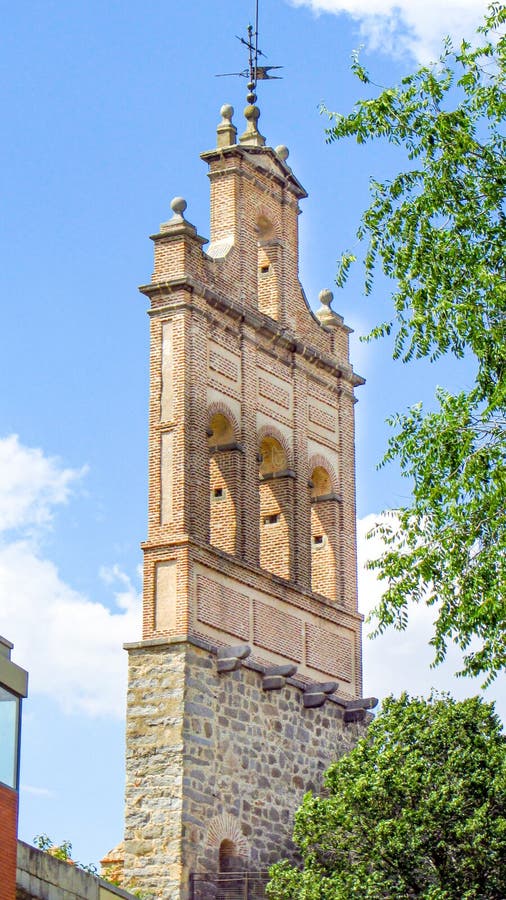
{"x": 214, "y": 757}
{"x": 251, "y": 537}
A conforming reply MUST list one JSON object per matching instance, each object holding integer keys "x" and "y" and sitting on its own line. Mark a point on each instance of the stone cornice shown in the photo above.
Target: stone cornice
{"x": 260, "y": 323}
{"x": 215, "y": 556}
{"x": 284, "y": 175}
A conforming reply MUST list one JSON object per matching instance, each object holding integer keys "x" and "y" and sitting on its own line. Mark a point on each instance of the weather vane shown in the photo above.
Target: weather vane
{"x": 254, "y": 72}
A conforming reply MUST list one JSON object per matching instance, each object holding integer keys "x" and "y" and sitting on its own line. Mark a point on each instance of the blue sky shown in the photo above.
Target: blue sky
{"x": 106, "y": 108}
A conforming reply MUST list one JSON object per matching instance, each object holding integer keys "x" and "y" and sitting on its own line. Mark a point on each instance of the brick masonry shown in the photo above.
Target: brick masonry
{"x": 8, "y": 841}
{"x": 251, "y": 534}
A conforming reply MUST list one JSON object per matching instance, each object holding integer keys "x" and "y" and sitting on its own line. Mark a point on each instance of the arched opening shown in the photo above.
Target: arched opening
{"x": 228, "y": 859}
{"x": 269, "y": 269}
{"x": 276, "y": 505}
{"x": 272, "y": 456}
{"x": 324, "y": 534}
{"x": 223, "y": 483}
{"x": 220, "y": 431}
{"x": 321, "y": 483}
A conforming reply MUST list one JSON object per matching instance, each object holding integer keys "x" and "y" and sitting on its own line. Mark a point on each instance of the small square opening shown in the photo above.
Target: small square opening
{"x": 272, "y": 519}
{"x": 264, "y": 269}
{"x": 318, "y": 540}
{"x": 218, "y": 493}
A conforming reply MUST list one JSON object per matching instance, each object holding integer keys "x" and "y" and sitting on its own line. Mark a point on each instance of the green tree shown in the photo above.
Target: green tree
{"x": 416, "y": 809}
{"x": 438, "y": 229}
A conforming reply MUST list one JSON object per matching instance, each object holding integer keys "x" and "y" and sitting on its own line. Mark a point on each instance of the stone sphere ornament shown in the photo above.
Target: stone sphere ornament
{"x": 178, "y": 205}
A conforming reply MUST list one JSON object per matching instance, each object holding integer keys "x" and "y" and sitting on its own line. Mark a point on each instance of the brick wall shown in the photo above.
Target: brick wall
{"x": 224, "y": 498}
{"x": 231, "y": 551}
{"x": 235, "y": 338}
{"x": 8, "y": 841}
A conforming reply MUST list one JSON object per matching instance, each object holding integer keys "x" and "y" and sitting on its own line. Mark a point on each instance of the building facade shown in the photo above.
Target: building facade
{"x": 247, "y": 681}
{"x": 13, "y": 689}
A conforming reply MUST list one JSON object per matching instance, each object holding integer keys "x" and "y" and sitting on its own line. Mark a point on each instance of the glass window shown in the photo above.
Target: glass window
{"x": 9, "y": 717}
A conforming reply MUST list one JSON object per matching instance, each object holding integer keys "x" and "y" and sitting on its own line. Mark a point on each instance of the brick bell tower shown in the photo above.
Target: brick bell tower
{"x": 247, "y": 681}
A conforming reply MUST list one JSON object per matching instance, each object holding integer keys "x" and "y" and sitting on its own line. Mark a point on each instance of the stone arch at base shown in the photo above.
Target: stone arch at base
{"x": 224, "y": 834}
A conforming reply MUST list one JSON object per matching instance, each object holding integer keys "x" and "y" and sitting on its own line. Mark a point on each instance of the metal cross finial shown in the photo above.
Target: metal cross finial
{"x": 254, "y": 72}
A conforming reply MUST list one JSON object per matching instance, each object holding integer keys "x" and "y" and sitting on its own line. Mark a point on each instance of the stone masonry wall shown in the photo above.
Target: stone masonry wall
{"x": 248, "y": 756}
{"x": 154, "y": 769}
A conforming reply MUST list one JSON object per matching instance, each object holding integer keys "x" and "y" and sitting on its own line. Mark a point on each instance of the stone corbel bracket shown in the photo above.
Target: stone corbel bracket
{"x": 316, "y": 694}
{"x": 274, "y": 679}
{"x": 229, "y": 658}
{"x": 355, "y": 710}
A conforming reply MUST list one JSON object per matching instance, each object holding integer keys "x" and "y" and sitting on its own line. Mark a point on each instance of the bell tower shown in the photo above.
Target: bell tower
{"x": 247, "y": 681}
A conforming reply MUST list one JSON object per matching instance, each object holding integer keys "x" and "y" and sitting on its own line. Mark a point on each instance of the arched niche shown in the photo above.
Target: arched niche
{"x": 321, "y": 483}
{"x": 228, "y": 857}
{"x": 220, "y": 431}
{"x": 272, "y": 456}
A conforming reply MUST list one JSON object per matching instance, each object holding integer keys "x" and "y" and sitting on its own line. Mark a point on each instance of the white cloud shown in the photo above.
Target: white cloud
{"x": 401, "y": 660}
{"x": 414, "y": 27}
{"x": 30, "y": 485}
{"x": 71, "y": 645}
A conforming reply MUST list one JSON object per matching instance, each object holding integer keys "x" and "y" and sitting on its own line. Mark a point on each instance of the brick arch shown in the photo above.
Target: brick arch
{"x": 266, "y": 214}
{"x": 273, "y": 431}
{"x": 226, "y": 828}
{"x": 318, "y": 460}
{"x": 219, "y": 406}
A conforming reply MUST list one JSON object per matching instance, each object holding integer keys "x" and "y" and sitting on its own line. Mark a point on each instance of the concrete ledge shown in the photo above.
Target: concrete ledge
{"x": 40, "y": 876}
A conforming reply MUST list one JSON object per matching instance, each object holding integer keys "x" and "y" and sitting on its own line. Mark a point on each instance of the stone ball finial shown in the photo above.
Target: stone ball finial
{"x": 178, "y": 205}
{"x": 326, "y": 297}
{"x": 252, "y": 113}
{"x": 282, "y": 152}
{"x": 226, "y": 113}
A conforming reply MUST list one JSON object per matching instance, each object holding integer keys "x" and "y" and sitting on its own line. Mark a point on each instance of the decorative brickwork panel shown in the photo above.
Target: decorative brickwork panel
{"x": 220, "y": 606}
{"x": 329, "y": 652}
{"x": 277, "y": 631}
{"x": 166, "y": 477}
{"x": 323, "y": 416}
{"x": 272, "y": 391}
{"x": 167, "y": 398}
{"x": 223, "y": 363}
{"x": 275, "y": 396}
{"x": 166, "y": 596}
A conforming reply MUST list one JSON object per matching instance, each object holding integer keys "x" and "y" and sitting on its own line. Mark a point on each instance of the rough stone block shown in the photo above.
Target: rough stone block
{"x": 240, "y": 651}
{"x": 314, "y": 699}
{"x": 327, "y": 687}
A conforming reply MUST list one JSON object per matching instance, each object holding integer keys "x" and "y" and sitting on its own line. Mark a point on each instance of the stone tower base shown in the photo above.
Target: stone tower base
{"x": 217, "y": 765}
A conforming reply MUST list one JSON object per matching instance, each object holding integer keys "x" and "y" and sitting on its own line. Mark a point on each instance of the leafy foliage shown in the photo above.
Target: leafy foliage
{"x": 62, "y": 851}
{"x": 438, "y": 230}
{"x": 416, "y": 810}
